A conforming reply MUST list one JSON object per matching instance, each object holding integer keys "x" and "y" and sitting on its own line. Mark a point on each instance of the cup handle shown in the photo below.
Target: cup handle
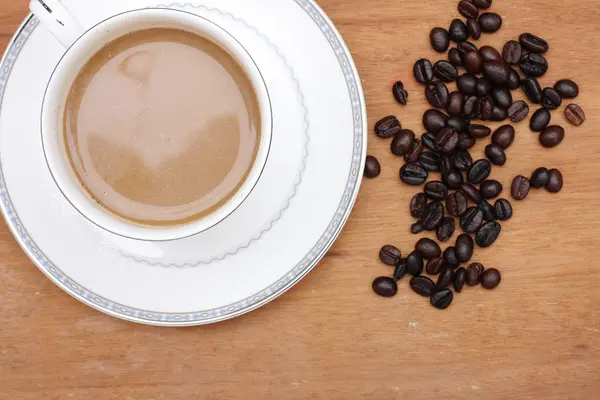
{"x": 58, "y": 20}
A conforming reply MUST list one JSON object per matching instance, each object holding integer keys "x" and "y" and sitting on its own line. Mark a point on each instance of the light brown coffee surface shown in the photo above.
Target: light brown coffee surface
{"x": 162, "y": 126}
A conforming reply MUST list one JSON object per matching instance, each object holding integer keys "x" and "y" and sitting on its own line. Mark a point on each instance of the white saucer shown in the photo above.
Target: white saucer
{"x": 284, "y": 228}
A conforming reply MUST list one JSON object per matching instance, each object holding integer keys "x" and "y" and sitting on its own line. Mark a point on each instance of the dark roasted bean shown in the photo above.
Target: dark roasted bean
{"x": 400, "y": 270}
{"x": 460, "y": 278}
{"x": 445, "y": 71}
{"x": 414, "y": 154}
{"x": 574, "y": 114}
{"x": 372, "y": 167}
{"x": 520, "y": 187}
{"x": 471, "y": 192}
{"x": 552, "y": 136}
{"x": 434, "y": 120}
{"x": 474, "y": 28}
{"x": 490, "y": 22}
{"x": 464, "y": 247}
{"x": 418, "y": 204}
{"x": 428, "y": 140}
{"x": 487, "y": 210}
{"x": 539, "y": 120}
{"x": 446, "y": 140}
{"x": 413, "y": 174}
{"x": 567, "y": 88}
{"x": 471, "y": 108}
{"x": 414, "y": 263}
{"x": 474, "y": 272}
{"x": 453, "y": 178}
{"x": 489, "y": 54}
{"x": 488, "y": 234}
{"x": 471, "y": 220}
{"x": 422, "y": 285}
{"x": 514, "y": 79}
{"x": 539, "y": 178}
{"x": 403, "y": 142}
{"x": 400, "y": 94}
{"x": 456, "y": 101}
{"x": 466, "y": 83}
{"x": 533, "y": 64}
{"x": 423, "y": 71}
{"x": 555, "y": 181}
{"x": 463, "y": 159}
{"x": 435, "y": 265}
{"x": 473, "y": 62}
{"x": 385, "y": 287}
{"x": 479, "y": 131}
{"x": 491, "y": 278}
{"x": 490, "y": 188}
{"x": 503, "y": 209}
{"x": 518, "y": 111}
{"x": 468, "y": 9}
{"x": 387, "y": 127}
{"x": 465, "y": 47}
{"x": 432, "y": 216}
{"x": 450, "y": 257}
{"x": 416, "y": 228}
{"x": 430, "y": 161}
{"x": 483, "y": 3}
{"x": 437, "y": 94}
{"x": 456, "y": 203}
{"x": 428, "y": 248}
{"x": 551, "y": 99}
{"x": 458, "y": 31}
{"x": 455, "y": 57}
{"x": 533, "y": 43}
{"x": 389, "y": 254}
{"x": 446, "y": 229}
{"x": 483, "y": 87}
{"x": 445, "y": 278}
{"x": 442, "y": 299}
{"x": 499, "y": 113}
{"x": 495, "y": 154}
{"x": 531, "y": 88}
{"x": 439, "y": 39}
{"x": 436, "y": 190}
{"x": 511, "y": 53}
{"x": 479, "y": 171}
{"x": 485, "y": 108}
{"x": 496, "y": 71}
{"x": 502, "y": 97}
{"x": 504, "y": 136}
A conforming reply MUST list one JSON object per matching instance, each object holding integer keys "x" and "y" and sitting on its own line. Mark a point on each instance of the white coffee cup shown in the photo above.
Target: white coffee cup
{"x": 81, "y": 44}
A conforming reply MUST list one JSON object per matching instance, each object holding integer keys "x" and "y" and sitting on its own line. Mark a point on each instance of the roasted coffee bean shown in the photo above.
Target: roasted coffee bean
{"x": 511, "y": 53}
{"x": 503, "y": 209}
{"x": 430, "y": 161}
{"x": 468, "y": 9}
{"x": 555, "y": 181}
{"x": 455, "y": 57}
{"x": 488, "y": 211}
{"x": 497, "y": 72}
{"x": 539, "y": 120}
{"x": 439, "y": 39}
{"x": 464, "y": 247}
{"x": 434, "y": 120}
{"x": 428, "y": 248}
{"x": 483, "y": 3}
{"x": 446, "y": 229}
{"x": 539, "y": 178}
{"x": 390, "y": 255}
{"x": 491, "y": 278}
{"x": 495, "y": 154}
{"x": 502, "y": 97}
{"x": 473, "y": 62}
{"x": 385, "y": 287}
{"x": 460, "y": 278}
{"x": 574, "y": 114}
{"x": 479, "y": 171}
{"x": 483, "y": 87}
{"x": 466, "y": 83}
{"x": 387, "y": 127}
{"x": 533, "y": 64}
{"x": 422, "y": 285}
{"x": 471, "y": 192}
{"x": 428, "y": 140}
{"x": 400, "y": 270}
{"x": 414, "y": 263}
{"x": 490, "y": 22}
{"x": 423, "y": 71}
{"x": 418, "y": 204}
{"x": 403, "y": 142}
{"x": 413, "y": 174}
{"x": 471, "y": 108}
{"x": 551, "y": 99}
{"x": 471, "y": 220}
{"x": 490, "y": 189}
{"x": 416, "y": 228}
{"x": 436, "y": 190}
{"x": 372, "y": 167}
{"x": 533, "y": 43}
{"x": 435, "y": 265}
{"x": 414, "y": 154}
{"x": 474, "y": 272}
{"x": 479, "y": 131}
{"x": 487, "y": 234}
{"x": 504, "y": 136}
{"x": 463, "y": 159}
{"x": 458, "y": 31}
{"x": 450, "y": 257}
{"x": 551, "y": 136}
{"x": 399, "y": 93}
{"x": 520, "y": 187}
{"x": 473, "y": 28}
{"x": 567, "y": 88}
{"x": 499, "y": 113}
{"x": 456, "y": 101}
{"x": 445, "y": 71}
{"x": 442, "y": 299}
{"x": 518, "y": 111}
{"x": 446, "y": 140}
{"x": 456, "y": 203}
{"x": 485, "y": 108}
{"x": 437, "y": 94}
{"x": 465, "y": 47}
{"x": 458, "y": 124}
{"x": 488, "y": 53}
{"x": 514, "y": 79}
{"x": 453, "y": 178}
{"x": 432, "y": 216}
{"x": 531, "y": 88}
{"x": 445, "y": 278}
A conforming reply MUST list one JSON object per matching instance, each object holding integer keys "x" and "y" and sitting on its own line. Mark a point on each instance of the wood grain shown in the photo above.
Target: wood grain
{"x": 536, "y": 337}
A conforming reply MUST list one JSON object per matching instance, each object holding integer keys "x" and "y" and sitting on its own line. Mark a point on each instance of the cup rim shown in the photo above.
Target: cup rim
{"x": 169, "y": 233}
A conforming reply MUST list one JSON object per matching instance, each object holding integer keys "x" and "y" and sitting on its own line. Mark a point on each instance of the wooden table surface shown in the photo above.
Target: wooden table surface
{"x": 536, "y": 337}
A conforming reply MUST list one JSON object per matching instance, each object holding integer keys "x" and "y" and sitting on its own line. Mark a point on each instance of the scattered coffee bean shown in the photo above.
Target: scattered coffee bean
{"x": 428, "y": 140}
{"x": 385, "y": 287}
{"x": 471, "y": 220}
{"x": 414, "y": 263}
{"x": 491, "y": 278}
{"x": 567, "y": 88}
{"x": 462, "y": 158}
{"x": 471, "y": 192}
{"x": 479, "y": 171}
{"x": 428, "y": 248}
{"x": 520, "y": 187}
{"x": 555, "y": 181}
{"x": 539, "y": 178}
{"x": 533, "y": 64}
{"x": 483, "y": 3}
{"x": 499, "y": 113}
{"x": 422, "y": 285}
{"x": 490, "y": 188}
{"x": 403, "y": 142}
{"x": 551, "y": 136}
{"x": 445, "y": 278}
{"x": 474, "y": 272}
{"x": 514, "y": 79}
{"x": 416, "y": 228}
{"x": 474, "y": 28}
{"x": 468, "y": 9}
{"x": 418, "y": 205}
{"x": 483, "y": 87}
{"x": 551, "y": 99}
{"x": 533, "y": 43}
{"x": 502, "y": 97}
{"x": 399, "y": 93}
{"x": 442, "y": 299}
{"x": 503, "y": 209}
{"x": 372, "y": 167}
{"x": 465, "y": 47}
{"x": 455, "y": 57}
{"x": 414, "y": 154}
{"x": 453, "y": 178}
{"x": 387, "y": 127}
{"x": 437, "y": 94}
{"x": 460, "y": 278}
{"x": 446, "y": 140}
{"x": 574, "y": 114}
{"x": 456, "y": 203}
{"x": 531, "y": 88}
{"x": 436, "y": 190}
{"x": 497, "y": 72}
{"x": 430, "y": 161}
{"x": 456, "y": 100}
{"x": 434, "y": 120}
{"x": 487, "y": 234}
{"x": 479, "y": 131}
{"x": 435, "y": 265}
{"x": 466, "y": 83}
{"x": 450, "y": 257}
{"x": 511, "y": 53}
{"x": 473, "y": 62}
{"x": 464, "y": 247}
{"x": 490, "y": 22}
{"x": 504, "y": 136}
{"x": 445, "y": 71}
{"x": 539, "y": 120}
{"x": 439, "y": 39}
{"x": 488, "y": 53}
{"x": 413, "y": 174}
{"x": 495, "y": 154}
{"x": 471, "y": 108}
{"x": 458, "y": 31}
{"x": 518, "y": 111}
{"x": 488, "y": 211}
{"x": 400, "y": 270}
{"x": 423, "y": 71}
{"x": 389, "y": 255}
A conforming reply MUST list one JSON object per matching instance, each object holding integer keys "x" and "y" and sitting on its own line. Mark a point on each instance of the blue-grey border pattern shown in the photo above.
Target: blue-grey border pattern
{"x": 297, "y": 181}
{"x": 252, "y": 302}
